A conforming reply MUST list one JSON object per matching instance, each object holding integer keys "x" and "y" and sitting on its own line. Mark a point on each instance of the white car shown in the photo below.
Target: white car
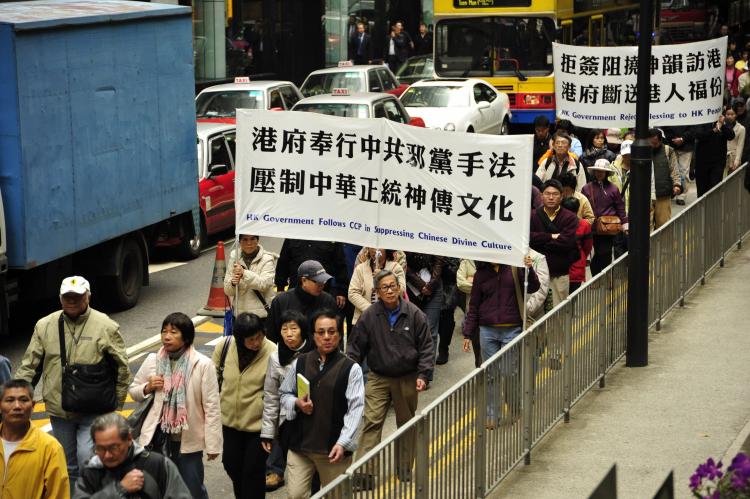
{"x": 358, "y": 78}
{"x": 220, "y": 102}
{"x": 357, "y": 105}
{"x": 463, "y": 105}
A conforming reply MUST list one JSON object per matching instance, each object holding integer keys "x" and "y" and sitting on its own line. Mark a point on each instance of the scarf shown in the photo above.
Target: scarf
{"x": 174, "y": 413}
{"x": 286, "y": 354}
{"x": 249, "y": 257}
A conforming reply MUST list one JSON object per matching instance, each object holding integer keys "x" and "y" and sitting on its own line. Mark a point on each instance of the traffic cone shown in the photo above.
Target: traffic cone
{"x": 217, "y": 301}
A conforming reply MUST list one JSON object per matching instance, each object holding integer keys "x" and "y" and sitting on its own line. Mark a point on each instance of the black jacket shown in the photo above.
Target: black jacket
{"x": 394, "y": 351}
{"x": 354, "y": 49}
{"x": 295, "y": 299}
{"x": 329, "y": 254}
{"x": 686, "y": 133}
{"x": 540, "y": 147}
{"x": 423, "y": 46}
{"x": 711, "y": 146}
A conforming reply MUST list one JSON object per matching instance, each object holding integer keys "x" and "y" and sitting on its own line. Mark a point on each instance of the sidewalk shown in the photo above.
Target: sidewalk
{"x": 692, "y": 402}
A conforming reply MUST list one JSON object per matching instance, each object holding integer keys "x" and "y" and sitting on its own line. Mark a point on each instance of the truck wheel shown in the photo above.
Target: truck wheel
{"x": 190, "y": 249}
{"x": 125, "y": 287}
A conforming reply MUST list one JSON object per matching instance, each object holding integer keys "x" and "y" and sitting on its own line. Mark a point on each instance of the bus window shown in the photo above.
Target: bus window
{"x": 567, "y": 31}
{"x": 495, "y": 46}
{"x": 596, "y": 31}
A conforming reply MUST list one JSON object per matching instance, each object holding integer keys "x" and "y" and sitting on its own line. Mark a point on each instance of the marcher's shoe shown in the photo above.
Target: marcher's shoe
{"x": 490, "y": 424}
{"x": 442, "y": 358}
{"x": 404, "y": 475}
{"x": 681, "y": 202}
{"x": 362, "y": 481}
{"x": 274, "y": 481}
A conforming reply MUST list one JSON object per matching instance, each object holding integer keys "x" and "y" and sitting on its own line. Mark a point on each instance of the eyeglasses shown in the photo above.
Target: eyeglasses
{"x": 327, "y": 332}
{"x": 388, "y": 287}
{"x": 101, "y": 449}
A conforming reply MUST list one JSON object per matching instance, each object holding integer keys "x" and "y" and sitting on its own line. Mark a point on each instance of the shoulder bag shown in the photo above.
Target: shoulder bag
{"x": 605, "y": 225}
{"x": 222, "y": 361}
{"x": 87, "y": 388}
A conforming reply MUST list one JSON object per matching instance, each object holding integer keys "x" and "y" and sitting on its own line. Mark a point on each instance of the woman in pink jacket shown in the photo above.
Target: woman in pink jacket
{"x": 185, "y": 418}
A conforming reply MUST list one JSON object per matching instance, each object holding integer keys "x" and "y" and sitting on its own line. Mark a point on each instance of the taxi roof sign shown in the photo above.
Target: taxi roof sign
{"x": 340, "y": 91}
{"x": 345, "y": 64}
{"x": 242, "y": 79}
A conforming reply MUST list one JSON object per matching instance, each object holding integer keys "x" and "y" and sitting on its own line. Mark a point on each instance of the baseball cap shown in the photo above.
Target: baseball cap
{"x": 625, "y": 147}
{"x": 74, "y": 284}
{"x": 313, "y": 270}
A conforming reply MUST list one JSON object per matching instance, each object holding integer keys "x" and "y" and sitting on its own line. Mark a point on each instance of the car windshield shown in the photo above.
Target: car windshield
{"x": 225, "y": 104}
{"x": 342, "y": 109}
{"x": 494, "y": 46}
{"x": 434, "y": 96}
{"x": 324, "y": 83}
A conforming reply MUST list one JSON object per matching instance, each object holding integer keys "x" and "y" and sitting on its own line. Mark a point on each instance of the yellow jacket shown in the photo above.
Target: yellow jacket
{"x": 36, "y": 470}
{"x": 242, "y": 392}
{"x": 87, "y": 340}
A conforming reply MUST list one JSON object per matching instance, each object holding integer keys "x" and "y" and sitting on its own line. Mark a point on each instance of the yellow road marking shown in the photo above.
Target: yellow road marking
{"x": 210, "y": 327}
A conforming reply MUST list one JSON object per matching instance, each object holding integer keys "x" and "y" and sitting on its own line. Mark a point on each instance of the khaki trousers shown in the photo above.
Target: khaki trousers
{"x": 380, "y": 393}
{"x": 662, "y": 211}
{"x": 301, "y": 467}
{"x": 560, "y": 287}
{"x": 683, "y": 164}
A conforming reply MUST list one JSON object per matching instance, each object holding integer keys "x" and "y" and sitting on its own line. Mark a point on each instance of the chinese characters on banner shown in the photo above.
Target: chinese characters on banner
{"x": 595, "y": 87}
{"x": 383, "y": 184}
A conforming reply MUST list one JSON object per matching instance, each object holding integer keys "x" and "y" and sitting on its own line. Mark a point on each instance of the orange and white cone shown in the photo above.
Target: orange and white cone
{"x": 217, "y": 301}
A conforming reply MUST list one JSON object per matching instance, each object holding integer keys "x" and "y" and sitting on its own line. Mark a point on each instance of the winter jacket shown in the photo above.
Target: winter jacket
{"x": 5, "y": 370}
{"x": 364, "y": 256}
{"x": 36, "y": 469}
{"x": 415, "y": 262}
{"x": 711, "y": 146}
{"x": 273, "y": 412}
{"x": 202, "y": 403}
{"x": 540, "y": 147}
{"x": 584, "y": 242}
{"x": 161, "y": 477}
{"x": 329, "y": 254}
{"x": 585, "y": 211}
{"x": 737, "y": 144}
{"x": 102, "y": 337}
{"x": 242, "y": 392}
{"x": 295, "y": 299}
{"x": 393, "y": 351}
{"x": 550, "y": 167}
{"x": 361, "y": 285}
{"x": 666, "y": 171}
{"x": 534, "y": 302}
{"x": 560, "y": 251}
{"x": 257, "y": 277}
{"x": 686, "y": 133}
{"x": 606, "y": 200}
{"x": 592, "y": 154}
{"x": 494, "y": 300}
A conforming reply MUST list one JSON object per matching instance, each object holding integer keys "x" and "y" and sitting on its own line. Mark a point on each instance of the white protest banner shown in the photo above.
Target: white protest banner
{"x": 383, "y": 184}
{"x": 595, "y": 87}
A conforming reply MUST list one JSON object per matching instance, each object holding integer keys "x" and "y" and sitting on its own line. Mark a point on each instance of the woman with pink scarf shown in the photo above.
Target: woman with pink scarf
{"x": 185, "y": 418}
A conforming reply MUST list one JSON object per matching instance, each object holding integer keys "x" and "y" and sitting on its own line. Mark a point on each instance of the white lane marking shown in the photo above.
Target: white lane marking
{"x": 146, "y": 344}
{"x": 214, "y": 342}
{"x": 158, "y": 267}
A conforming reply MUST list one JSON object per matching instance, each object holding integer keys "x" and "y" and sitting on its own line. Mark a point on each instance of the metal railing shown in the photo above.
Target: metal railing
{"x": 466, "y": 441}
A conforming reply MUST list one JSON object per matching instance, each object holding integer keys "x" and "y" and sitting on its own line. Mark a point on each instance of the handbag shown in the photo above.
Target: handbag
{"x": 605, "y": 225}
{"x": 86, "y": 388}
{"x": 138, "y": 416}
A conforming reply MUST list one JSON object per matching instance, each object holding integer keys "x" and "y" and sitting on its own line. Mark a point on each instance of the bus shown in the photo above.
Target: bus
{"x": 508, "y": 43}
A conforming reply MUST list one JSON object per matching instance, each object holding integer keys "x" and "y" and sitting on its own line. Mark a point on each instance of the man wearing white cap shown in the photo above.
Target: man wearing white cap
{"x": 94, "y": 346}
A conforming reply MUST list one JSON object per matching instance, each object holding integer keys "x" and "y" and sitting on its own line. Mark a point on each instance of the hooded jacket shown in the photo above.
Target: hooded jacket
{"x": 87, "y": 340}
{"x": 36, "y": 470}
{"x": 258, "y": 276}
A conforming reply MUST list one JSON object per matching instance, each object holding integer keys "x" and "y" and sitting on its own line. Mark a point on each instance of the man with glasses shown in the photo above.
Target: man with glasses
{"x": 122, "y": 468}
{"x": 559, "y": 161}
{"x": 324, "y": 420}
{"x": 393, "y": 336}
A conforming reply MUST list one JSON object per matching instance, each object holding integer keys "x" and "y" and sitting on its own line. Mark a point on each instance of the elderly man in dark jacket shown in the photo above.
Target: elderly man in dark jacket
{"x": 711, "y": 154}
{"x": 394, "y": 338}
{"x": 553, "y": 234}
{"x": 329, "y": 254}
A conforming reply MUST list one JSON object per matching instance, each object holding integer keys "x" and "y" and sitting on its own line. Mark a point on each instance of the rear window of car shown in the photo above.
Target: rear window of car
{"x": 225, "y": 104}
{"x": 324, "y": 83}
{"x": 336, "y": 109}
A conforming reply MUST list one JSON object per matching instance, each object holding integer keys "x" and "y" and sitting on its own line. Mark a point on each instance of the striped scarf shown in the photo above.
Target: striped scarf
{"x": 174, "y": 413}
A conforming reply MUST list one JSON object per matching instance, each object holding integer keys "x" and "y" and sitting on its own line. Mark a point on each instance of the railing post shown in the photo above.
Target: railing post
{"x": 703, "y": 240}
{"x": 658, "y": 282}
{"x": 602, "y": 343}
{"x": 422, "y": 465}
{"x": 740, "y": 227}
{"x": 527, "y": 380}
{"x": 683, "y": 257}
{"x": 568, "y": 359}
{"x": 480, "y": 445}
{"x": 722, "y": 191}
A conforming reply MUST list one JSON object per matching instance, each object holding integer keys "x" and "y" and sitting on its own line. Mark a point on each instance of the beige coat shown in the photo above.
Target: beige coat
{"x": 202, "y": 404}
{"x": 361, "y": 284}
{"x": 87, "y": 340}
{"x": 257, "y": 277}
{"x": 242, "y": 392}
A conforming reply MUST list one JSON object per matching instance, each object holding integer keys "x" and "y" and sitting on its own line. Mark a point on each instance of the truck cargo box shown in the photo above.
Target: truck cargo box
{"x": 97, "y": 129}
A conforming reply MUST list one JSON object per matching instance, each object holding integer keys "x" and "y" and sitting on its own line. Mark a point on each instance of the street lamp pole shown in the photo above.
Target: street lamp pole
{"x": 640, "y": 203}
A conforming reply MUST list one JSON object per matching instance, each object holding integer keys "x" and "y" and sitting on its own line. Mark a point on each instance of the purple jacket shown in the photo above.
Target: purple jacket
{"x": 605, "y": 199}
{"x": 493, "y": 298}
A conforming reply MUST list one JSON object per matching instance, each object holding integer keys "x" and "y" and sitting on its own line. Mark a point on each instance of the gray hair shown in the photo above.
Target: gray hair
{"x": 382, "y": 275}
{"x": 107, "y": 421}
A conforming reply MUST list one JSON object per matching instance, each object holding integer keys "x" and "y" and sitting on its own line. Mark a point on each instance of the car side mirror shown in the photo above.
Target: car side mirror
{"x": 483, "y": 104}
{"x": 216, "y": 170}
{"x": 417, "y": 121}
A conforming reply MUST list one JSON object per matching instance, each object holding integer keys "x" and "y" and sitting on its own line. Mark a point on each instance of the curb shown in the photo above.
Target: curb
{"x": 149, "y": 343}
{"x": 742, "y": 440}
